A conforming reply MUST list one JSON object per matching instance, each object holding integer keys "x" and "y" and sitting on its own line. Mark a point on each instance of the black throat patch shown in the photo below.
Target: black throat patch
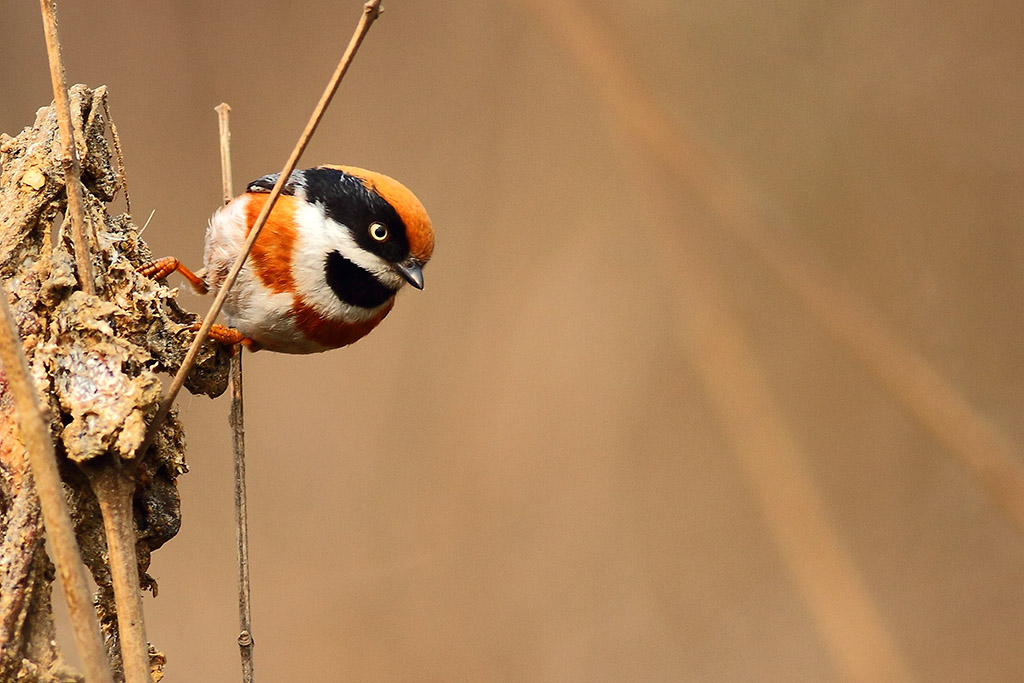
{"x": 353, "y": 285}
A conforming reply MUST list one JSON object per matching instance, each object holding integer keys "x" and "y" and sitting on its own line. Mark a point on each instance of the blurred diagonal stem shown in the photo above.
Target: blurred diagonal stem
{"x": 987, "y": 452}
{"x": 237, "y": 419}
{"x": 371, "y": 10}
{"x": 823, "y": 570}
{"x": 675, "y": 146}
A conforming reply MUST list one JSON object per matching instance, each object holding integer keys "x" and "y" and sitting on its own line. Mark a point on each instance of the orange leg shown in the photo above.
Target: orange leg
{"x": 162, "y": 267}
{"x": 228, "y": 336}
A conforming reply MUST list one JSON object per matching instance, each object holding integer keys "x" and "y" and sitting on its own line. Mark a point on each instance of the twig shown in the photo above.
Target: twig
{"x": 119, "y": 156}
{"x": 114, "y": 486}
{"x": 69, "y": 154}
{"x": 43, "y": 462}
{"x": 371, "y": 10}
{"x": 223, "y": 114}
{"x": 245, "y": 639}
{"x": 146, "y": 224}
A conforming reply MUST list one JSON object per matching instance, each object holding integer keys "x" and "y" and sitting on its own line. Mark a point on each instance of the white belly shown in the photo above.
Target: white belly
{"x": 251, "y": 308}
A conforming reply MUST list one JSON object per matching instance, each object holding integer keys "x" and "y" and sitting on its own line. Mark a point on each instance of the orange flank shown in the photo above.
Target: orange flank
{"x": 271, "y": 255}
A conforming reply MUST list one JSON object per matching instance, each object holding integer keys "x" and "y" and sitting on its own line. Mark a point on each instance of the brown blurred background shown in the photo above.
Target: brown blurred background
{"x": 717, "y": 373}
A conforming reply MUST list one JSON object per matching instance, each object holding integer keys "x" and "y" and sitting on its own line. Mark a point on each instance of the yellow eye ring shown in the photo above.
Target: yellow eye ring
{"x": 378, "y": 231}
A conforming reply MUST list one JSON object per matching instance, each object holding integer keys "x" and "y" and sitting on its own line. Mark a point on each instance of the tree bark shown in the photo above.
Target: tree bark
{"x": 96, "y": 361}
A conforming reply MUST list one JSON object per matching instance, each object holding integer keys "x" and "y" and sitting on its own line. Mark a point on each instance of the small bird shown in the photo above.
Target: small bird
{"x": 338, "y": 245}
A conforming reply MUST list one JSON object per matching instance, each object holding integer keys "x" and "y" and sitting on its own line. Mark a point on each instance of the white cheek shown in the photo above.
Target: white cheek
{"x": 317, "y": 237}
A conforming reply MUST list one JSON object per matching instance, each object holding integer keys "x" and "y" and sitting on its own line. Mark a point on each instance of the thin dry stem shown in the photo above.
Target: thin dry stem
{"x": 69, "y": 154}
{"x": 119, "y": 157}
{"x": 245, "y": 638}
{"x": 114, "y": 488}
{"x": 371, "y": 10}
{"x": 223, "y": 116}
{"x": 43, "y": 462}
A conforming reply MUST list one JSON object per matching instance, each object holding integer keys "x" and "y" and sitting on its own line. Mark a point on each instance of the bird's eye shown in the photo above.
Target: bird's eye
{"x": 378, "y": 231}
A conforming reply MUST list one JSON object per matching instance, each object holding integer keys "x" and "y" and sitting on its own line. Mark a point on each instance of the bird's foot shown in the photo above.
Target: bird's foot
{"x": 162, "y": 267}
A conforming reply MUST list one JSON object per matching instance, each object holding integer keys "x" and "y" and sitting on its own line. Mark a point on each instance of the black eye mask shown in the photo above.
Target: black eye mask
{"x": 348, "y": 202}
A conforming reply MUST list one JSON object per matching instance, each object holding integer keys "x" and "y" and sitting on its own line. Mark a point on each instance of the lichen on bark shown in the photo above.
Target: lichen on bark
{"x": 96, "y": 362}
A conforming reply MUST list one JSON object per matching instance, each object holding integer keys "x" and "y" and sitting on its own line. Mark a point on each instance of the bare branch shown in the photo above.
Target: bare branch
{"x": 69, "y": 154}
{"x": 119, "y": 157}
{"x": 95, "y": 363}
{"x": 223, "y": 115}
{"x": 114, "y": 488}
{"x": 245, "y": 639}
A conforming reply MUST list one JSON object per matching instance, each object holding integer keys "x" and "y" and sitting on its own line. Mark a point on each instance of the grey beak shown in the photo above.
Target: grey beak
{"x": 412, "y": 272}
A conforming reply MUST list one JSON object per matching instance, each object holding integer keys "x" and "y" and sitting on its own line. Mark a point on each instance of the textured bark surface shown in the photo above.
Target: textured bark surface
{"x": 96, "y": 362}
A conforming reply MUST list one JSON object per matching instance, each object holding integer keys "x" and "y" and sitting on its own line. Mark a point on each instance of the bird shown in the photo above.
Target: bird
{"x": 339, "y": 244}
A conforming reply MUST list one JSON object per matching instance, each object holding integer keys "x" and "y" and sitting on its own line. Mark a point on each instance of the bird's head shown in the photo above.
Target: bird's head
{"x": 363, "y": 234}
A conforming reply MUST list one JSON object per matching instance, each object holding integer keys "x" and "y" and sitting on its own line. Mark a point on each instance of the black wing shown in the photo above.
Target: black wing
{"x": 296, "y": 182}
